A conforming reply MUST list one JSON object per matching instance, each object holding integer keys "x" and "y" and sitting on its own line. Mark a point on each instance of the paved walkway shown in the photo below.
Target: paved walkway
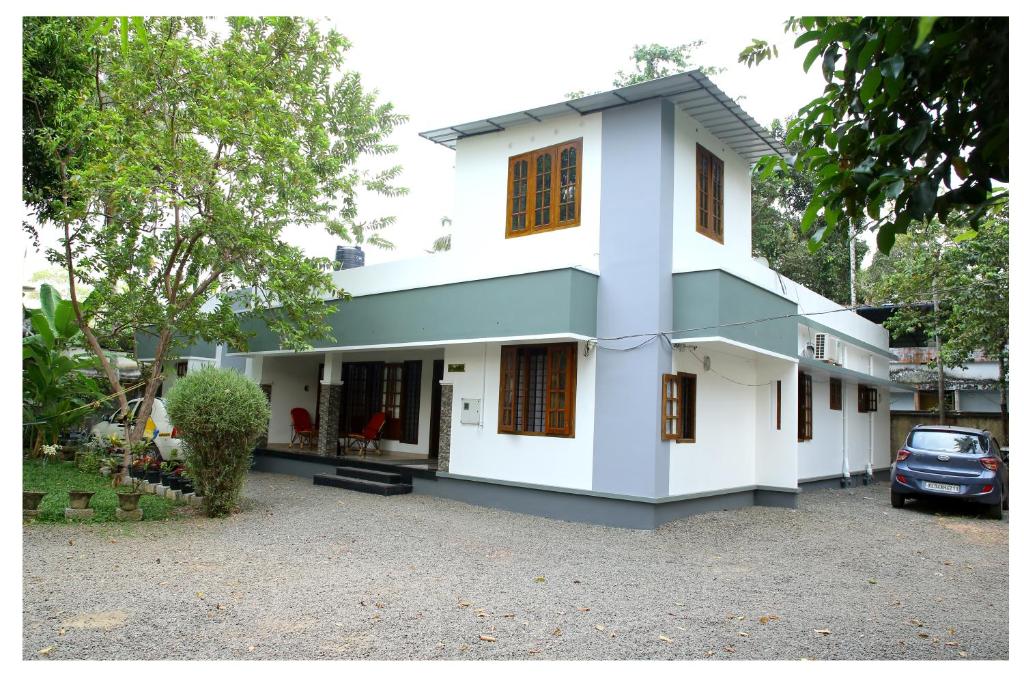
{"x": 318, "y": 573}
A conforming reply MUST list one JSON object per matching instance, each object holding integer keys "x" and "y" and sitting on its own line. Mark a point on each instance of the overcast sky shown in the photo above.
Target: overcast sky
{"x": 444, "y": 64}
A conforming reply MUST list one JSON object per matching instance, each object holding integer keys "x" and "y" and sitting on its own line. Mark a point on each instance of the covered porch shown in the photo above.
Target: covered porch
{"x": 318, "y": 398}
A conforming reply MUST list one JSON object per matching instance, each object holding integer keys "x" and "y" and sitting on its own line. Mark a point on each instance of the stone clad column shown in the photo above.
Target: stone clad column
{"x": 444, "y": 439}
{"x": 330, "y": 405}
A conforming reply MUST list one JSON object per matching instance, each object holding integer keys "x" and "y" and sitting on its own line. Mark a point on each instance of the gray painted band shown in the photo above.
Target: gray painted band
{"x": 821, "y": 327}
{"x": 618, "y": 496}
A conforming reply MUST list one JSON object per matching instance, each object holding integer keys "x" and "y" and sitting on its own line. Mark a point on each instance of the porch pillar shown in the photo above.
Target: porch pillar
{"x": 330, "y": 405}
{"x": 254, "y": 368}
{"x": 444, "y": 438}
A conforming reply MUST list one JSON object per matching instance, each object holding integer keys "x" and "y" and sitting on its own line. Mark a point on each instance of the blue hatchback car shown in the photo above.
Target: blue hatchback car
{"x": 952, "y": 462}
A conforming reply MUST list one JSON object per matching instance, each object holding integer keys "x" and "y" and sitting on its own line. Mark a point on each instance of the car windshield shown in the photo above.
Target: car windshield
{"x": 949, "y": 442}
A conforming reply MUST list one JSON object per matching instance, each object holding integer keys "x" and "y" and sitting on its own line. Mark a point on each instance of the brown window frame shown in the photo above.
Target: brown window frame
{"x": 531, "y": 196}
{"x": 778, "y": 405}
{"x": 516, "y": 389}
{"x": 867, "y": 399}
{"x": 713, "y": 224}
{"x": 804, "y": 407}
{"x": 679, "y": 407}
{"x": 391, "y": 400}
{"x": 835, "y": 394}
{"x": 181, "y": 368}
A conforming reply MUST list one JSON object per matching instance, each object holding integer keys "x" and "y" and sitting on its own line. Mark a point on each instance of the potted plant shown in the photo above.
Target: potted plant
{"x": 30, "y": 500}
{"x": 166, "y": 471}
{"x": 109, "y": 466}
{"x": 79, "y": 500}
{"x": 153, "y": 471}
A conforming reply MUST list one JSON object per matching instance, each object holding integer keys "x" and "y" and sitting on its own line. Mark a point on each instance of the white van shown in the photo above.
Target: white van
{"x": 158, "y": 428}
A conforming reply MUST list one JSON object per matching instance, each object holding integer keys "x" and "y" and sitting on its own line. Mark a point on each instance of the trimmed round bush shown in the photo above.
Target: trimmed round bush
{"x": 220, "y": 414}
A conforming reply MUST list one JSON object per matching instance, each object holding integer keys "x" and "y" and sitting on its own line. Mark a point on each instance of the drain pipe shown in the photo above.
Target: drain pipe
{"x": 845, "y": 481}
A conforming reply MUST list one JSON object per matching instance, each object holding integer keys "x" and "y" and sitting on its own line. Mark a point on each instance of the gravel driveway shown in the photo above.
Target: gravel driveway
{"x": 308, "y": 572}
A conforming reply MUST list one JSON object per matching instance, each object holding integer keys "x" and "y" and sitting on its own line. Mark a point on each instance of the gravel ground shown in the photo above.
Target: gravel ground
{"x": 308, "y": 572}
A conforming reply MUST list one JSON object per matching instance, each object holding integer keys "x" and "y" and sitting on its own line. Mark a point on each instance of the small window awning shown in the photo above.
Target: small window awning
{"x": 692, "y": 91}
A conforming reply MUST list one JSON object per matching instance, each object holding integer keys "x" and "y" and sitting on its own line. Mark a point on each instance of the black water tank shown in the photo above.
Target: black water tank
{"x": 349, "y": 257}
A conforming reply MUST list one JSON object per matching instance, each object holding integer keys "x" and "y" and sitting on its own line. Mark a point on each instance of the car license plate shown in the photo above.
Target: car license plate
{"x": 947, "y": 488}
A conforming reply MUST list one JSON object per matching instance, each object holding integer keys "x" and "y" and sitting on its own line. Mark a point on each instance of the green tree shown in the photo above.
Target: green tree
{"x": 171, "y": 170}
{"x": 908, "y": 104}
{"x": 653, "y": 60}
{"x": 55, "y": 390}
{"x": 778, "y": 199}
{"x": 444, "y": 242}
{"x": 967, "y": 274}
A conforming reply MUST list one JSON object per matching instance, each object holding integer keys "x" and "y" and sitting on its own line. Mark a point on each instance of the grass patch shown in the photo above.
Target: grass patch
{"x": 56, "y": 479}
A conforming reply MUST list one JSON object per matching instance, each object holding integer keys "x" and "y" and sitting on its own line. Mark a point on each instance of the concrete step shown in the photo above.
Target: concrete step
{"x": 364, "y": 485}
{"x": 369, "y": 474}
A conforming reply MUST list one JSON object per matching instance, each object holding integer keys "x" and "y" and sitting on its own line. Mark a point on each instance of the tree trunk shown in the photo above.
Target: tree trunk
{"x": 938, "y": 358}
{"x": 853, "y": 266}
{"x": 155, "y": 377}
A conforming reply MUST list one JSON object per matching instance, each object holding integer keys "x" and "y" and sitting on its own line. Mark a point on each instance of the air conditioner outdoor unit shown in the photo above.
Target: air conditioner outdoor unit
{"x": 825, "y": 347}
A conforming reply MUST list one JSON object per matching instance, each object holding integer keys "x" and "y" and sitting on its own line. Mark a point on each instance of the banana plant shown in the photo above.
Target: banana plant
{"x": 55, "y": 389}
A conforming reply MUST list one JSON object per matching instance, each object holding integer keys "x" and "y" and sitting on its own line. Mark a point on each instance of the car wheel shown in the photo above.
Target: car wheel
{"x": 897, "y": 499}
{"x": 995, "y": 511}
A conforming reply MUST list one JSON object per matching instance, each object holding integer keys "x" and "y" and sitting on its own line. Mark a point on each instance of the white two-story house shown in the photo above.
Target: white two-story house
{"x": 599, "y": 344}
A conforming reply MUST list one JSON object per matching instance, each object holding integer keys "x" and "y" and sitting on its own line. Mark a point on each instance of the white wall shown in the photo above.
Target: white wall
{"x": 775, "y": 450}
{"x": 723, "y": 454}
{"x": 866, "y": 436}
{"x": 293, "y": 382}
{"x": 690, "y": 248}
{"x": 480, "y": 451}
{"x": 481, "y": 192}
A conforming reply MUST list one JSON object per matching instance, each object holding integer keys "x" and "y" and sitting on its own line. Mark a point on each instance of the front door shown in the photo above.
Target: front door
{"x": 435, "y": 407}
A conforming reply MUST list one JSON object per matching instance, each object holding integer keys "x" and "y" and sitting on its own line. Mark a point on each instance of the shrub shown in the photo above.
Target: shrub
{"x": 219, "y": 414}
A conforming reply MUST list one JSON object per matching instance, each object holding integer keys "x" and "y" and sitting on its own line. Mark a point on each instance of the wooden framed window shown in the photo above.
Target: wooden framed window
{"x": 804, "y": 410}
{"x": 391, "y": 400}
{"x": 181, "y": 368}
{"x": 710, "y": 195}
{"x": 537, "y": 390}
{"x": 544, "y": 189}
{"x": 412, "y": 372}
{"x": 835, "y": 394}
{"x": 778, "y": 405}
{"x": 679, "y": 407}
{"x": 867, "y": 399}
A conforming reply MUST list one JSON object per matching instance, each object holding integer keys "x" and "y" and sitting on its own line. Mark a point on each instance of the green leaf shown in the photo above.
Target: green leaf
{"x": 865, "y": 56}
{"x": 886, "y": 238}
{"x": 869, "y": 85}
{"x": 811, "y": 213}
{"x": 42, "y": 327}
{"x": 893, "y": 189}
{"x": 64, "y": 322}
{"x": 924, "y": 29}
{"x": 893, "y": 67}
{"x": 811, "y": 56}
{"x": 965, "y": 235}
{"x": 806, "y": 38}
{"x": 48, "y": 300}
{"x": 124, "y": 34}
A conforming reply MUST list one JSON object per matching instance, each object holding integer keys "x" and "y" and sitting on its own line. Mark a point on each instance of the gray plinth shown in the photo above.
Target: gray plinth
{"x": 72, "y": 513}
{"x": 133, "y": 516}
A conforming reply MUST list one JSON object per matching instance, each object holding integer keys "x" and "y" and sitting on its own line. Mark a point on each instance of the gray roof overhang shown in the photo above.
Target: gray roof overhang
{"x": 691, "y": 91}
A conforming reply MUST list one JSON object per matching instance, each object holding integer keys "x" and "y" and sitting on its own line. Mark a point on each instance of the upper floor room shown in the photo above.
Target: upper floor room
{"x": 529, "y": 185}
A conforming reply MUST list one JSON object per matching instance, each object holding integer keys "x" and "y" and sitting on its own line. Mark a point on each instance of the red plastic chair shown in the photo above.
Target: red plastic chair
{"x": 368, "y": 437}
{"x": 302, "y": 428}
